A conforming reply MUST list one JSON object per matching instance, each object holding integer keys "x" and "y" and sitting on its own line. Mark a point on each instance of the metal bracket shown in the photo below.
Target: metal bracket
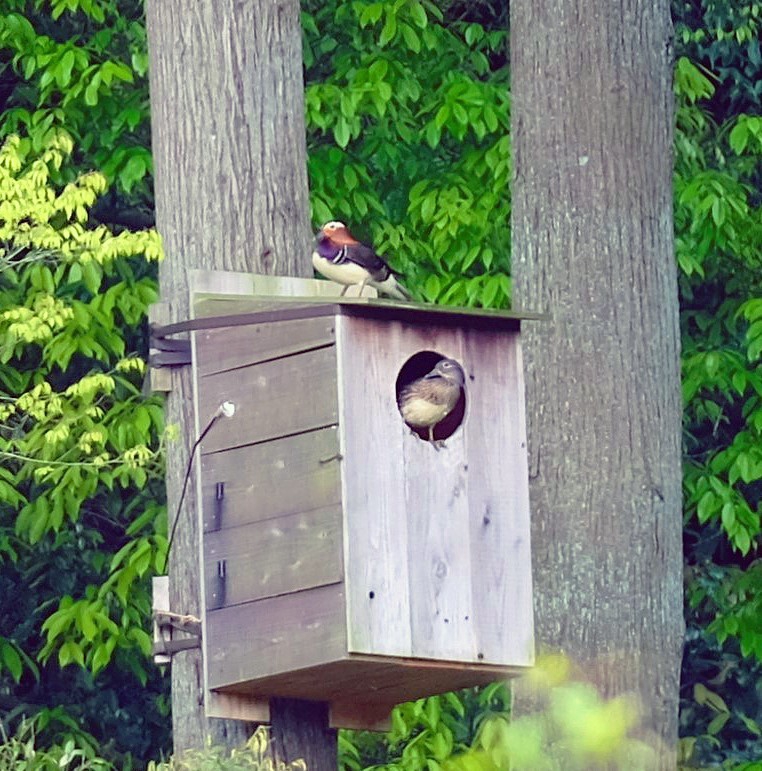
{"x": 166, "y": 623}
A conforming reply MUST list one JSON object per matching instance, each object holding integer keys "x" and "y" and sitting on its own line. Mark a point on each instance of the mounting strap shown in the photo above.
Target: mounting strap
{"x": 177, "y": 353}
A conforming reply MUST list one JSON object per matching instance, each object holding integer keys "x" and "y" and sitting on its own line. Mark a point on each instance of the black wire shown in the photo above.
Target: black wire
{"x": 188, "y": 470}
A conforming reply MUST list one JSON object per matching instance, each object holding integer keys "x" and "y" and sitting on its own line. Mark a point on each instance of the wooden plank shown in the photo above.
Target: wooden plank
{"x": 159, "y": 379}
{"x": 373, "y": 683}
{"x": 360, "y": 717}
{"x": 497, "y": 490}
{"x": 411, "y": 538}
{"x": 236, "y": 706}
{"x": 441, "y": 605}
{"x": 272, "y": 399}
{"x": 211, "y": 291}
{"x": 276, "y": 635}
{"x": 281, "y": 555}
{"x": 160, "y": 604}
{"x": 282, "y": 476}
{"x": 375, "y": 515}
{"x": 232, "y": 347}
{"x": 441, "y": 602}
{"x": 227, "y": 282}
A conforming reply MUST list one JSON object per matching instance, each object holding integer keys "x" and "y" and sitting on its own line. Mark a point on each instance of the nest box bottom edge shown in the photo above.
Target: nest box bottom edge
{"x": 361, "y": 690}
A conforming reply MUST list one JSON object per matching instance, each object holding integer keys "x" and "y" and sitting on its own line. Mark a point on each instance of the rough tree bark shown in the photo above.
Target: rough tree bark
{"x": 593, "y": 248}
{"x": 227, "y": 109}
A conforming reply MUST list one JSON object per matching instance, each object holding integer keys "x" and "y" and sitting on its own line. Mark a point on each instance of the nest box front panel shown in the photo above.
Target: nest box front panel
{"x": 436, "y": 542}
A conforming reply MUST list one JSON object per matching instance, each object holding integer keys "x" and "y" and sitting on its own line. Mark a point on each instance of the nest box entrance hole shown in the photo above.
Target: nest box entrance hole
{"x": 417, "y": 366}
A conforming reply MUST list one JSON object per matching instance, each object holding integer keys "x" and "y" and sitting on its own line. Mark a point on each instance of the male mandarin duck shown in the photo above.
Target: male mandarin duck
{"x": 342, "y": 258}
{"x": 427, "y": 401}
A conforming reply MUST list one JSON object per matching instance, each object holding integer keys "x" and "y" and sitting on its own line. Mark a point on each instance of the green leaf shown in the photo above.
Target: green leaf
{"x": 389, "y": 30}
{"x": 739, "y": 137}
{"x": 433, "y": 135}
{"x": 411, "y": 39}
{"x": 70, "y": 653}
{"x": 428, "y": 205}
{"x": 707, "y": 506}
{"x": 133, "y": 171}
{"x": 341, "y": 133}
{"x": 704, "y": 696}
{"x": 432, "y": 288}
{"x": 64, "y": 68}
{"x": 371, "y": 14}
{"x": 728, "y": 516}
{"x": 418, "y": 14}
{"x": 91, "y": 92}
{"x": 100, "y": 659}
{"x": 717, "y": 723}
{"x": 86, "y": 623}
{"x": 11, "y": 659}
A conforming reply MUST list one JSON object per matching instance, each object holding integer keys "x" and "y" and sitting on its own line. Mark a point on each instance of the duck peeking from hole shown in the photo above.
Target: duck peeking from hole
{"x": 427, "y": 402}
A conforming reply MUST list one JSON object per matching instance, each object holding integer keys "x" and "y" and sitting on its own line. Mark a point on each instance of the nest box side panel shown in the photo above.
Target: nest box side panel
{"x": 270, "y": 501}
{"x": 275, "y": 556}
{"x": 281, "y": 634}
{"x": 271, "y": 479}
{"x": 267, "y": 384}
{"x": 426, "y": 577}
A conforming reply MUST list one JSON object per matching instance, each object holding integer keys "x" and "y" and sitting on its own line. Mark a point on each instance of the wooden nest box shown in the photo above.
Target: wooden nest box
{"x": 345, "y": 558}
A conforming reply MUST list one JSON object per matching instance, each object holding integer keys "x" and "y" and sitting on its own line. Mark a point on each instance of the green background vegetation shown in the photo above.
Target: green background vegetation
{"x": 408, "y": 109}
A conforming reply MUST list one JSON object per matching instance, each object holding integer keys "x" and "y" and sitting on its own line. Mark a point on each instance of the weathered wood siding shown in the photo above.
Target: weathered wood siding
{"x": 270, "y": 490}
{"x": 436, "y": 543}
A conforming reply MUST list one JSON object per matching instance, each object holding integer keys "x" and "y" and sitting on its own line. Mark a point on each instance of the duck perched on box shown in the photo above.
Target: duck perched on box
{"x": 340, "y": 257}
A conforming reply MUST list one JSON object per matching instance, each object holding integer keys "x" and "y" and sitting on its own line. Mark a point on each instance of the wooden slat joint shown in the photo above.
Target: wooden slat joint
{"x": 283, "y": 353}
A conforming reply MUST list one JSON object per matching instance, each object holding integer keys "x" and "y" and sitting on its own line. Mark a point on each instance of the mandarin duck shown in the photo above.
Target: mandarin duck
{"x": 342, "y": 258}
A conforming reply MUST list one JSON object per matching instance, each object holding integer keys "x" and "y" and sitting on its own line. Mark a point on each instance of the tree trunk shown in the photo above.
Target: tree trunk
{"x": 593, "y": 248}
{"x": 231, "y": 194}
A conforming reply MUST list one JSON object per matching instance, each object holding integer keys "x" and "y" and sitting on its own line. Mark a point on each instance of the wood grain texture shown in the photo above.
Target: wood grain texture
{"x": 160, "y": 603}
{"x": 235, "y": 706}
{"x": 373, "y": 681}
{"x": 497, "y": 490}
{"x": 282, "y": 476}
{"x": 357, "y": 716}
{"x": 218, "y": 350}
{"x": 593, "y": 247}
{"x": 159, "y": 378}
{"x": 278, "y": 556}
{"x": 275, "y": 635}
{"x": 259, "y": 287}
{"x": 272, "y": 399}
{"x": 375, "y": 511}
{"x": 414, "y": 534}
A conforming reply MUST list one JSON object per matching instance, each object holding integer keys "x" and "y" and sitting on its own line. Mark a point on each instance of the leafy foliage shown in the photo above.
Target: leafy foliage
{"x": 407, "y": 116}
{"x": 571, "y": 728}
{"x": 20, "y": 751}
{"x": 718, "y": 223}
{"x": 425, "y": 732}
{"x": 81, "y": 474}
{"x": 81, "y": 65}
{"x": 253, "y": 755}
{"x": 723, "y": 37}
